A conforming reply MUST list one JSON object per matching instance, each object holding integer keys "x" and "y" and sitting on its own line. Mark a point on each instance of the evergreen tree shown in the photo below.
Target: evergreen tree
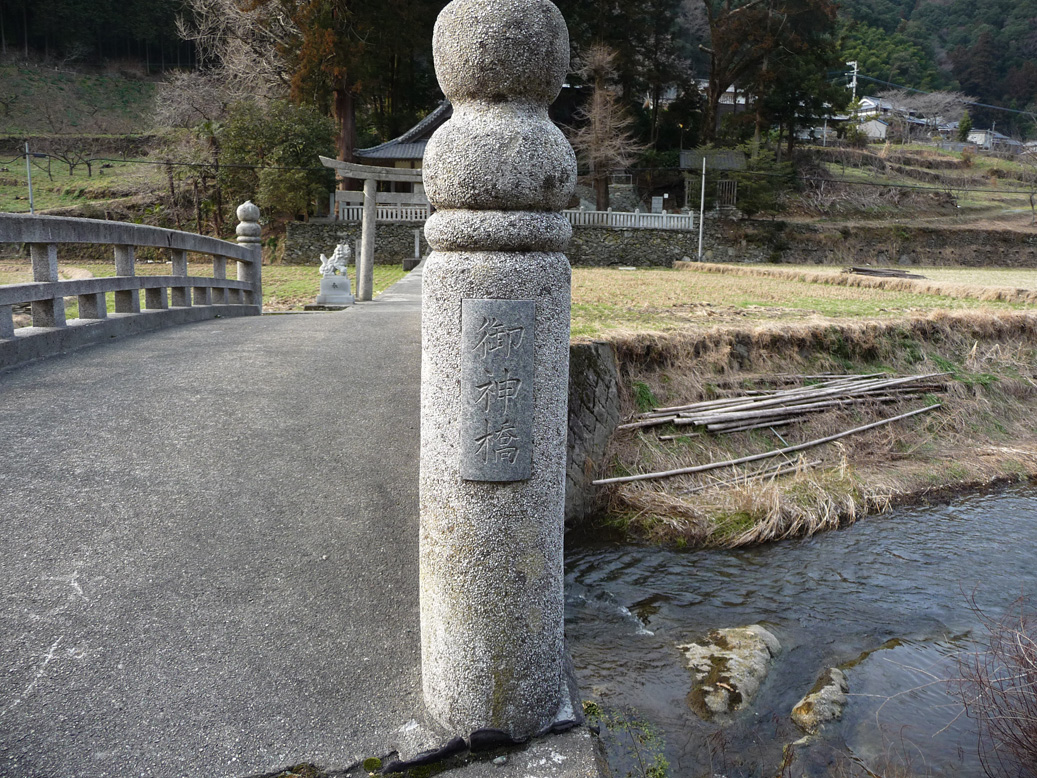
{"x": 964, "y": 127}
{"x": 769, "y": 47}
{"x": 890, "y": 57}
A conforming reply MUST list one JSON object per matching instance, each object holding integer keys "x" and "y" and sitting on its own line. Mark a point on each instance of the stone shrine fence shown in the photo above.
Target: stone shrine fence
{"x": 171, "y": 299}
{"x": 392, "y": 213}
{"x": 624, "y": 220}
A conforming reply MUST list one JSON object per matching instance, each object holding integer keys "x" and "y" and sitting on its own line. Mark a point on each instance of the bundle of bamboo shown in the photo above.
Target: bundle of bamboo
{"x": 779, "y": 407}
{"x": 883, "y": 272}
{"x": 786, "y": 406}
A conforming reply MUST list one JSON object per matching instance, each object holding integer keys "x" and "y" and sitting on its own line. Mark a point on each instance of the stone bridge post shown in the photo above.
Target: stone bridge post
{"x": 250, "y": 235}
{"x": 495, "y": 338}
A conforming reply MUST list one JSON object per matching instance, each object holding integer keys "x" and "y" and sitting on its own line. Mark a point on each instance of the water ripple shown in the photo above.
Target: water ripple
{"x": 830, "y": 599}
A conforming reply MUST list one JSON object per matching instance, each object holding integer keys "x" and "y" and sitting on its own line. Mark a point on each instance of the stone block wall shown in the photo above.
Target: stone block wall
{"x": 590, "y": 246}
{"x": 724, "y": 241}
{"x": 594, "y": 412}
{"x": 306, "y": 241}
{"x": 604, "y": 246}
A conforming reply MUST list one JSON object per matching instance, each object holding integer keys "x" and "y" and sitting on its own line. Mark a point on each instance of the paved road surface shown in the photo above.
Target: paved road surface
{"x": 209, "y": 559}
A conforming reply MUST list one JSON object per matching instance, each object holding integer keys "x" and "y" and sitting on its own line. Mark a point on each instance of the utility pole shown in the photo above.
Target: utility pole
{"x": 702, "y": 205}
{"x": 28, "y": 175}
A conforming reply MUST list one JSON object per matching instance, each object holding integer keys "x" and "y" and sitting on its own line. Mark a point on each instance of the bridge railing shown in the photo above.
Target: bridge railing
{"x": 168, "y": 299}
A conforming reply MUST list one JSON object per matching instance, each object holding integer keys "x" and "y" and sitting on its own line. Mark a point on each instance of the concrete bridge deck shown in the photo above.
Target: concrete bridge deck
{"x": 209, "y": 557}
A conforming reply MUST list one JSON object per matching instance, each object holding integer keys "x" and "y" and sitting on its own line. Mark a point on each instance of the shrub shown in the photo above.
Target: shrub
{"x": 856, "y": 137}
{"x": 999, "y": 689}
{"x": 277, "y": 144}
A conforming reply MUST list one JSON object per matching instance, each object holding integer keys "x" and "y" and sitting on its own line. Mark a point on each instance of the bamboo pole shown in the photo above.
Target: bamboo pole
{"x": 771, "y": 393}
{"x": 854, "y": 390}
{"x": 787, "y": 410}
{"x": 859, "y": 384}
{"x": 741, "y": 428}
{"x": 712, "y": 411}
{"x": 765, "y": 455}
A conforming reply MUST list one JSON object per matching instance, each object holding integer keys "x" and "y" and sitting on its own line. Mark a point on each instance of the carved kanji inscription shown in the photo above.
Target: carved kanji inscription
{"x": 496, "y": 389}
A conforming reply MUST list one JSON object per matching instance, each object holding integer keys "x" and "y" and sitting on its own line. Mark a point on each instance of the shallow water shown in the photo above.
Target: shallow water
{"x": 887, "y": 599}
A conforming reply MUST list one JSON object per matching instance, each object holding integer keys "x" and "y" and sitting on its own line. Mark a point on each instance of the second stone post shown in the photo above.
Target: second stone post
{"x": 495, "y": 338}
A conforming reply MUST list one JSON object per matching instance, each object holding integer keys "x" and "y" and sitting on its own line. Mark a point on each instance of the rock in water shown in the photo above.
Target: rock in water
{"x": 824, "y": 703}
{"x": 728, "y": 668}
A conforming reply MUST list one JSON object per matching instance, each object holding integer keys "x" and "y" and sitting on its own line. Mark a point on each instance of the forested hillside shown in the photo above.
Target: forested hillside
{"x": 987, "y": 48}
{"x": 238, "y": 97}
{"x": 95, "y": 30}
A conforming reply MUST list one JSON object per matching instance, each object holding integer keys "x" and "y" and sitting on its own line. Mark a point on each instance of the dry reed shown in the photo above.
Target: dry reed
{"x": 985, "y": 432}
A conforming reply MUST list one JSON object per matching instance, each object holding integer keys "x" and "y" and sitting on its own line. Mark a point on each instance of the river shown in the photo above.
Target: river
{"x": 887, "y": 599}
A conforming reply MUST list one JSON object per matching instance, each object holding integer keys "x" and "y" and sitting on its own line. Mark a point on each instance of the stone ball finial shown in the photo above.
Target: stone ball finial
{"x": 501, "y": 63}
{"x": 520, "y": 51}
{"x": 482, "y": 163}
{"x": 248, "y": 211}
{"x": 248, "y": 229}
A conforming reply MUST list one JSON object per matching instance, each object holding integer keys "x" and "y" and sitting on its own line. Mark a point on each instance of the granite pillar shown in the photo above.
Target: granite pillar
{"x": 495, "y": 338}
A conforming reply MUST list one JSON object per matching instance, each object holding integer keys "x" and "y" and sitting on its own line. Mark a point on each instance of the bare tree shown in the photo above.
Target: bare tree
{"x": 934, "y": 108}
{"x": 243, "y": 42}
{"x": 189, "y": 98}
{"x": 605, "y": 140}
{"x": 239, "y": 49}
{"x": 1028, "y": 159}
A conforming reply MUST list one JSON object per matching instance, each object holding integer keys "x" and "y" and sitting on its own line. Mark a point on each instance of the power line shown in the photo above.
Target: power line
{"x": 233, "y": 165}
{"x": 916, "y": 187}
{"x": 967, "y": 102}
{"x": 751, "y": 173}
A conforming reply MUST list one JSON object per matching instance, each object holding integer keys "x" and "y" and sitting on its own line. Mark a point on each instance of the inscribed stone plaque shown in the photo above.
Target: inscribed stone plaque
{"x": 496, "y": 389}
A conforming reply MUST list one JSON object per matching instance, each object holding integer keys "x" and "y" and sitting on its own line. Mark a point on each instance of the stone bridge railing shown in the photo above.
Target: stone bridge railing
{"x": 171, "y": 299}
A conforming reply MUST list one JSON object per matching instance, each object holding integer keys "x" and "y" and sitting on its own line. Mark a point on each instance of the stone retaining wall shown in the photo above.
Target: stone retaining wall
{"x": 868, "y": 244}
{"x": 306, "y": 241}
{"x": 604, "y": 246}
{"x": 760, "y": 240}
{"x": 594, "y": 412}
{"x": 592, "y": 246}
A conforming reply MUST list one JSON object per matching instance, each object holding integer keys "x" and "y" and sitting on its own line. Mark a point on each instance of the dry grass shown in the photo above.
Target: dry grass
{"x": 978, "y": 278}
{"x": 983, "y": 433}
{"x": 615, "y": 303}
{"x": 958, "y": 283}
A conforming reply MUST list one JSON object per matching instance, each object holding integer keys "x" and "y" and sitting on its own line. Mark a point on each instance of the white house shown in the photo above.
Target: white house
{"x": 991, "y": 140}
{"x": 874, "y": 128}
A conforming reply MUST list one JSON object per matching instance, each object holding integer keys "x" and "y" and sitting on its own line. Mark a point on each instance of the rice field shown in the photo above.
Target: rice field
{"x": 609, "y": 300}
